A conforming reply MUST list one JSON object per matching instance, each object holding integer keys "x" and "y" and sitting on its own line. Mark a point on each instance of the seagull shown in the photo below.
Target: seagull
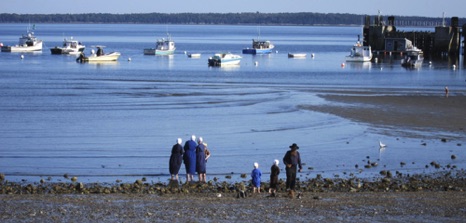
{"x": 382, "y": 145}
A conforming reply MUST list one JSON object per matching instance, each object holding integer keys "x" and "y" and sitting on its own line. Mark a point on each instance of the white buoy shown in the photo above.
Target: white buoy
{"x": 22, "y": 56}
{"x": 313, "y": 55}
{"x": 276, "y": 51}
{"x": 454, "y": 67}
{"x": 129, "y": 58}
{"x": 376, "y": 60}
{"x": 185, "y": 52}
{"x": 256, "y": 63}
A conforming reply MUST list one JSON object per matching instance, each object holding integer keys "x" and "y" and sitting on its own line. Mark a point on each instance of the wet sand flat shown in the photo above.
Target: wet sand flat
{"x": 412, "y": 111}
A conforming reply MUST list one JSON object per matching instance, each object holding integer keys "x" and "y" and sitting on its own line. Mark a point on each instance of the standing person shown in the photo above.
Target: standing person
{"x": 207, "y": 151}
{"x": 274, "y": 172}
{"x": 201, "y": 160}
{"x": 176, "y": 159}
{"x": 292, "y": 160}
{"x": 256, "y": 178}
{"x": 189, "y": 158}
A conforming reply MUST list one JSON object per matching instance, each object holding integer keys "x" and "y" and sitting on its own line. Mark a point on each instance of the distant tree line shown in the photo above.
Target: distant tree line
{"x": 249, "y": 18}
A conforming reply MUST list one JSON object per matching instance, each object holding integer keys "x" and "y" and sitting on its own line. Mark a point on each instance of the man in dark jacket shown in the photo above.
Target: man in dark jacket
{"x": 292, "y": 161}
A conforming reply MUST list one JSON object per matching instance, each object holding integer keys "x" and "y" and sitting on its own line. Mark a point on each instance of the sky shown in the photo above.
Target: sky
{"x": 427, "y": 8}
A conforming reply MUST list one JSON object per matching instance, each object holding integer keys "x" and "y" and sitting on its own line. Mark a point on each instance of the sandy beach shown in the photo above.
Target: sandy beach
{"x": 422, "y": 112}
{"x": 208, "y": 207}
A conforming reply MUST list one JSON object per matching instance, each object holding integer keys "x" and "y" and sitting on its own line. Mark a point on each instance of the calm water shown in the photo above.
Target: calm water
{"x": 103, "y": 122}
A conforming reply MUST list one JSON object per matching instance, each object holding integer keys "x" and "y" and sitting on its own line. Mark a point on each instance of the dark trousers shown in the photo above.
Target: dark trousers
{"x": 291, "y": 177}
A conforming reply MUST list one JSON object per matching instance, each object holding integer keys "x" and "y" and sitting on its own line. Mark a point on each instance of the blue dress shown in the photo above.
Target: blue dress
{"x": 189, "y": 156}
{"x": 176, "y": 158}
{"x": 200, "y": 159}
{"x": 256, "y": 177}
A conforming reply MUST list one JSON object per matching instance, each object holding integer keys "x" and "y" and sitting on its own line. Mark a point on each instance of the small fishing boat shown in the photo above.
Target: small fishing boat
{"x": 27, "y": 43}
{"x": 297, "y": 55}
{"x": 162, "y": 47}
{"x": 70, "y": 46}
{"x": 359, "y": 53}
{"x": 100, "y": 56}
{"x": 413, "y": 58}
{"x": 222, "y": 59}
{"x": 259, "y": 47}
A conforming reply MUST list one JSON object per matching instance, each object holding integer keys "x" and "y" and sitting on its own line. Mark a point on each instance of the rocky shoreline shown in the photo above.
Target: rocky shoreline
{"x": 390, "y": 198}
{"x": 452, "y": 180}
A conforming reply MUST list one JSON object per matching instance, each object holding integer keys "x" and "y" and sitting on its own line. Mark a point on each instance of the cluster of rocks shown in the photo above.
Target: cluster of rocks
{"x": 388, "y": 182}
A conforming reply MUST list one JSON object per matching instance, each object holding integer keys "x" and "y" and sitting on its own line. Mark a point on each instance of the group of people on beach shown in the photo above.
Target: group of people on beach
{"x": 194, "y": 155}
{"x": 292, "y": 161}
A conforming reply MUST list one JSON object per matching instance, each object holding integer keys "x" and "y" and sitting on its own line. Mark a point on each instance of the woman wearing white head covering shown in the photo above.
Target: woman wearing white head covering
{"x": 274, "y": 172}
{"x": 189, "y": 158}
{"x": 201, "y": 160}
{"x": 256, "y": 178}
{"x": 176, "y": 158}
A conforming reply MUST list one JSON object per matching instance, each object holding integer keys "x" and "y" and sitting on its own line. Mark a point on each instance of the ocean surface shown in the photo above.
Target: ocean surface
{"x": 118, "y": 121}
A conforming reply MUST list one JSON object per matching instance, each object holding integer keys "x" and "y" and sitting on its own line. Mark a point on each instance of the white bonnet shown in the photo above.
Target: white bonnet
{"x": 276, "y": 162}
{"x": 256, "y": 165}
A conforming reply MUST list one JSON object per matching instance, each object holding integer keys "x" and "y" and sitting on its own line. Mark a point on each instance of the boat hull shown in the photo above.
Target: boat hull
{"x": 358, "y": 59}
{"x": 297, "y": 55}
{"x": 103, "y": 58}
{"x": 59, "y": 50}
{"x": 257, "y": 51}
{"x": 194, "y": 55}
{"x": 224, "y": 60}
{"x": 153, "y": 51}
{"x": 17, "y": 48}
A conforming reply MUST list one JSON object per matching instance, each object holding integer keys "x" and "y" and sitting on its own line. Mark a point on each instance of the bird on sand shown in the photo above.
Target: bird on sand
{"x": 382, "y": 145}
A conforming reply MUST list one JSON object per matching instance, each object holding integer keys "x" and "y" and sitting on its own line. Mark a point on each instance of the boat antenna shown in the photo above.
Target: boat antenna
{"x": 258, "y": 32}
{"x": 443, "y": 19}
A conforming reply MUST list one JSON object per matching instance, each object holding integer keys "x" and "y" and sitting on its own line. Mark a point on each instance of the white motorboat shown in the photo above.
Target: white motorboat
{"x": 162, "y": 47}
{"x": 27, "y": 43}
{"x": 222, "y": 59}
{"x": 359, "y": 53}
{"x": 70, "y": 46}
{"x": 297, "y": 55}
{"x": 100, "y": 56}
{"x": 413, "y": 58}
{"x": 194, "y": 55}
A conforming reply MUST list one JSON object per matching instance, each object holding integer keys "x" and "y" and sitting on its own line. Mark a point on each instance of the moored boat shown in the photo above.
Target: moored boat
{"x": 162, "y": 47}
{"x": 222, "y": 59}
{"x": 194, "y": 55}
{"x": 359, "y": 53}
{"x": 100, "y": 56}
{"x": 297, "y": 55}
{"x": 259, "y": 47}
{"x": 27, "y": 43}
{"x": 70, "y": 46}
{"x": 413, "y": 58}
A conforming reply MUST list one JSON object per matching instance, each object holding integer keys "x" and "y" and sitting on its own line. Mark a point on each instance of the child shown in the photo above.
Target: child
{"x": 256, "y": 178}
{"x": 274, "y": 172}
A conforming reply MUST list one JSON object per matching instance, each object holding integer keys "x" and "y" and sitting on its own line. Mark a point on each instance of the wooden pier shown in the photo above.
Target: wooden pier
{"x": 383, "y": 37}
